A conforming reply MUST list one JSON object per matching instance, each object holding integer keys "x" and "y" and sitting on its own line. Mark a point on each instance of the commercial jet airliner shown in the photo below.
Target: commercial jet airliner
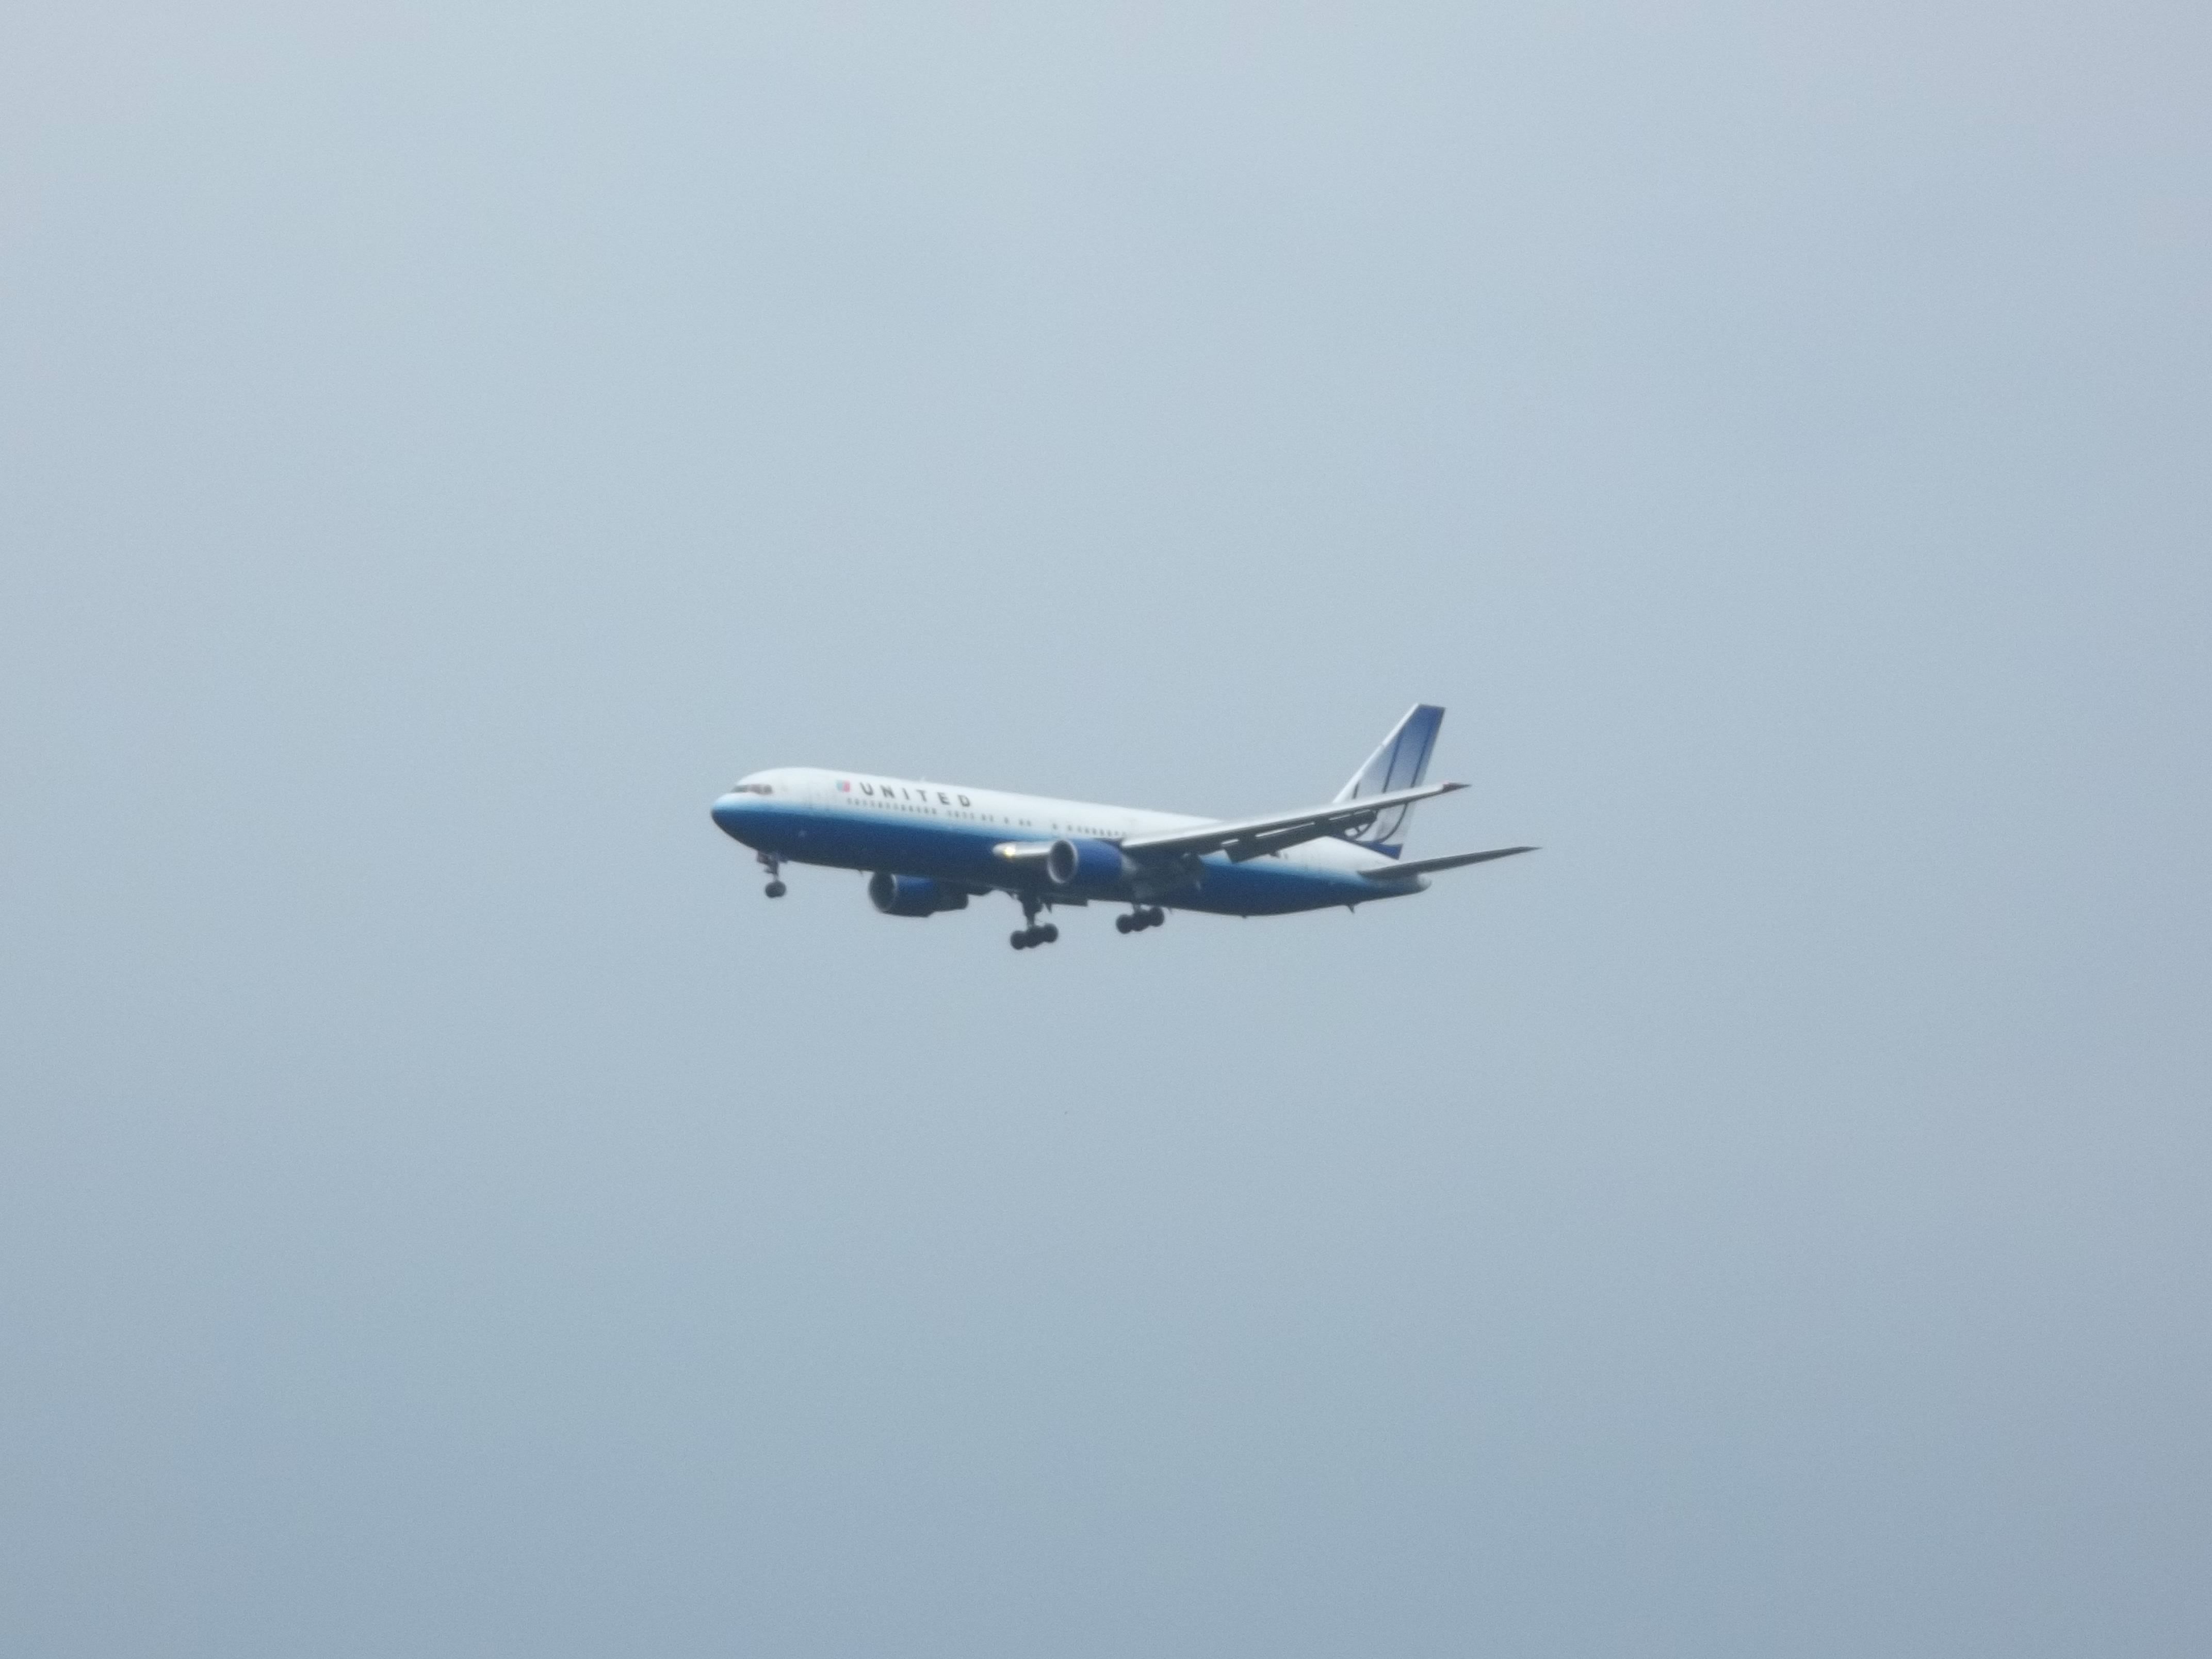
{"x": 932, "y": 847}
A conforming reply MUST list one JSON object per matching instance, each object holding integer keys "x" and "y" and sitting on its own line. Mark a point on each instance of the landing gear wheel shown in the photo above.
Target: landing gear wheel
{"x": 1031, "y": 934}
{"x": 775, "y": 890}
{"x": 1124, "y": 924}
{"x": 1155, "y": 916}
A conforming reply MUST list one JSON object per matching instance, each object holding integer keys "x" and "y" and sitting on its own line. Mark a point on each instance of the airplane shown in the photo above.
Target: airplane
{"x": 931, "y": 847}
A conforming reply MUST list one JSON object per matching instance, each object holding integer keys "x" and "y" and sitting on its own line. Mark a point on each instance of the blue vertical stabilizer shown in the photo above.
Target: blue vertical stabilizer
{"x": 1401, "y": 763}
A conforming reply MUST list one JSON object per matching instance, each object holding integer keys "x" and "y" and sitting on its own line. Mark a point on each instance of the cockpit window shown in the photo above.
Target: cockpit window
{"x": 751, "y": 789}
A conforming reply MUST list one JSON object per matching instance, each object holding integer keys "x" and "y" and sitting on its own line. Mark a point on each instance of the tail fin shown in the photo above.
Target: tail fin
{"x": 1401, "y": 763}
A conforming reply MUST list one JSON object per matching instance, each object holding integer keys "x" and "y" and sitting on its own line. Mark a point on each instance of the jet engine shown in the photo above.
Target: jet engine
{"x": 912, "y": 895}
{"x": 1079, "y": 864}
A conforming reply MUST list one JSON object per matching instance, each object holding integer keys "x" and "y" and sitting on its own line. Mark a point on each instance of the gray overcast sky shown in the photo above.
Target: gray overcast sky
{"x": 444, "y": 1209}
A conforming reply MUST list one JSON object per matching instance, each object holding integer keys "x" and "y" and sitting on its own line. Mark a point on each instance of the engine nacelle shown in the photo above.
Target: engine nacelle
{"x": 1077, "y": 864}
{"x": 912, "y": 895}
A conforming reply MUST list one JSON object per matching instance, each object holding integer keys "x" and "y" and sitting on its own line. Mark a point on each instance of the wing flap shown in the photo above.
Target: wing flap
{"x": 1250, "y": 838}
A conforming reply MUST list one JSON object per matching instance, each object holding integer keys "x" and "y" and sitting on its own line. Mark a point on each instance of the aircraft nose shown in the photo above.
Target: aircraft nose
{"x": 730, "y": 813}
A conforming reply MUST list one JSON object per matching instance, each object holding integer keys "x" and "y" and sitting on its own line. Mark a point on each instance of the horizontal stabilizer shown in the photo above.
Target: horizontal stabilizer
{"x": 1449, "y": 861}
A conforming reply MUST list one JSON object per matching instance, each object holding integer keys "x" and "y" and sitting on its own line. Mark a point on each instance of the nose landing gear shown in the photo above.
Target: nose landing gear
{"x": 1138, "y": 920}
{"x": 774, "y": 866}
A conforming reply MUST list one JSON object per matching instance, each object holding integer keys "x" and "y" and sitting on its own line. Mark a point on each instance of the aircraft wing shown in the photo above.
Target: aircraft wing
{"x": 1249, "y": 838}
{"x": 1449, "y": 861}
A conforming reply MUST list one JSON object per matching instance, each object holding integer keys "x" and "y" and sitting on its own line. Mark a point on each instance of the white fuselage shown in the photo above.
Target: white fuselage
{"x": 953, "y": 833}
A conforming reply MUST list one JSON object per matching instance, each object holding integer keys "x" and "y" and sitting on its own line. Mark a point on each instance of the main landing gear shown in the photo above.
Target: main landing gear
{"x": 773, "y": 865}
{"x": 1144, "y": 916}
{"x": 1031, "y": 934}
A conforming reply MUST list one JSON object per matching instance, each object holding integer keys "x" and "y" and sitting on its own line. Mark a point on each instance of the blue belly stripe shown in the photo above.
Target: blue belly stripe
{"x": 843, "y": 839}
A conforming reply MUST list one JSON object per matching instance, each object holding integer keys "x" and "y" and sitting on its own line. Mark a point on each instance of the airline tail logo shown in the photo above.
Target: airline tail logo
{"x": 1401, "y": 763}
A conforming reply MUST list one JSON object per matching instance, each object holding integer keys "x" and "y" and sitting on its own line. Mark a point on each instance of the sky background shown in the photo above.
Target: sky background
{"x": 445, "y": 1210}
